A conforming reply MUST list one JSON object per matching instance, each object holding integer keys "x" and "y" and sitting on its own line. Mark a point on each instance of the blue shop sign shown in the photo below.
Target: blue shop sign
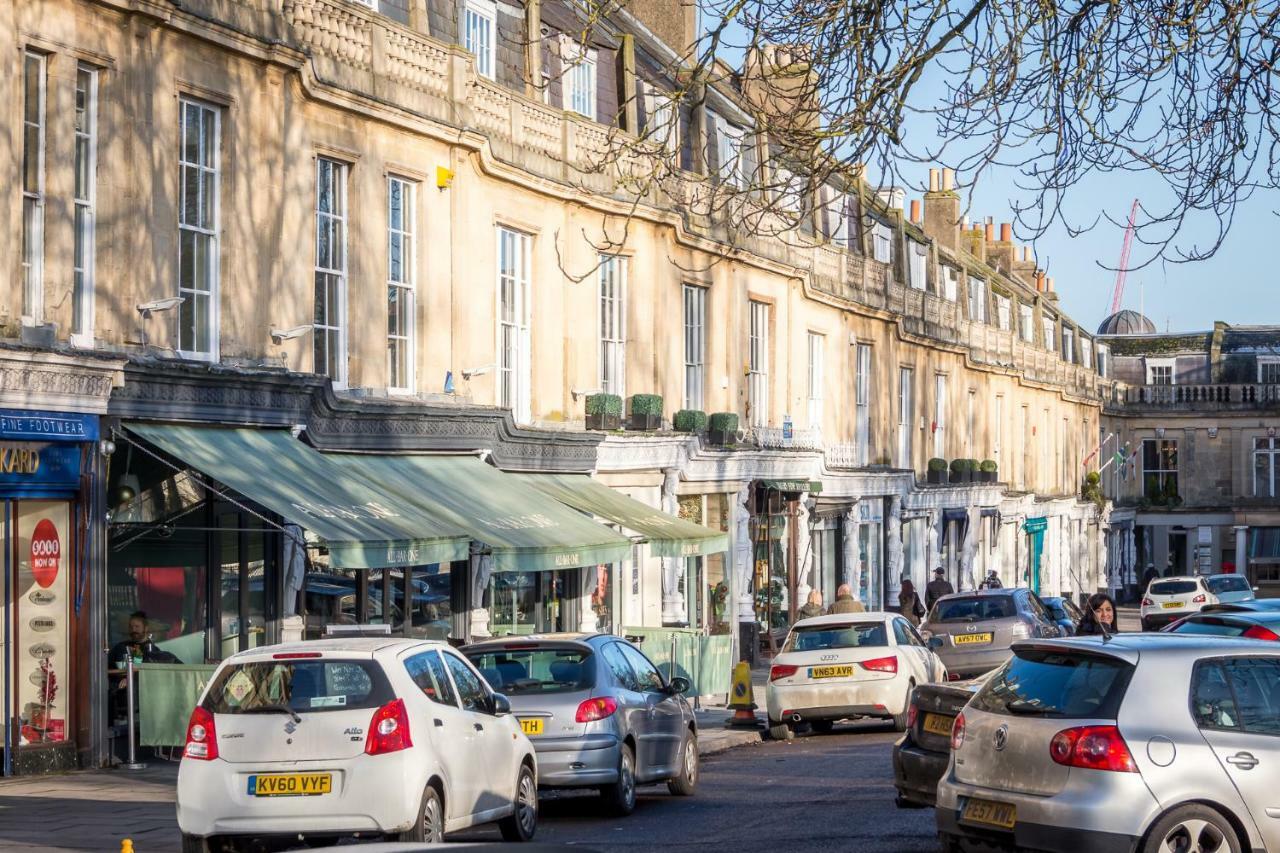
{"x": 20, "y": 425}
{"x": 37, "y": 468}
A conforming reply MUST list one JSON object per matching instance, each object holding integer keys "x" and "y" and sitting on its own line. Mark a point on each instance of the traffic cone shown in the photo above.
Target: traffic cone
{"x": 126, "y": 845}
{"x": 742, "y": 698}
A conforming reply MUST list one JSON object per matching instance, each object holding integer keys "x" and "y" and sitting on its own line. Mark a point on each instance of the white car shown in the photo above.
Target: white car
{"x": 1169, "y": 599}
{"x": 847, "y": 665}
{"x": 356, "y": 737}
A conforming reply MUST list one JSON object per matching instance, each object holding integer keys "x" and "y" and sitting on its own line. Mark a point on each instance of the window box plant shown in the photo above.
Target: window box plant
{"x": 987, "y": 470}
{"x": 937, "y": 474}
{"x": 604, "y": 411}
{"x": 690, "y": 420}
{"x": 961, "y": 472}
{"x": 644, "y": 412}
{"x": 722, "y": 429}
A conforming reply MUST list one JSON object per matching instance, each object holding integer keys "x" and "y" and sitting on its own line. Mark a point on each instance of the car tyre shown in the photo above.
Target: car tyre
{"x": 430, "y": 824}
{"x": 1192, "y": 827}
{"x": 620, "y": 797}
{"x": 948, "y": 844}
{"x": 685, "y": 783}
{"x": 781, "y": 731}
{"x": 522, "y": 823}
{"x": 198, "y": 844}
{"x": 900, "y": 720}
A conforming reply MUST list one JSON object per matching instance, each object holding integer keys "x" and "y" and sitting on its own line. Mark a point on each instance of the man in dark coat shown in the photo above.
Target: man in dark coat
{"x": 937, "y": 587}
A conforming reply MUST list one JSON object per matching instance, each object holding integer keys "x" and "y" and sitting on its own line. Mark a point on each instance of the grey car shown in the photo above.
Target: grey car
{"x": 1155, "y": 743}
{"x": 972, "y": 631}
{"x": 598, "y": 712}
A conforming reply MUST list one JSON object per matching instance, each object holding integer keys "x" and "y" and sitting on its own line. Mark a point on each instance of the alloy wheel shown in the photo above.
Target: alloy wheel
{"x": 527, "y": 804}
{"x": 1194, "y": 836}
{"x": 432, "y": 821}
{"x": 627, "y": 779}
{"x": 690, "y": 761}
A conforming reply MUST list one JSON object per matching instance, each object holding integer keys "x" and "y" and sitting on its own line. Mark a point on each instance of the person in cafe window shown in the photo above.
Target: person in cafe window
{"x": 139, "y": 647}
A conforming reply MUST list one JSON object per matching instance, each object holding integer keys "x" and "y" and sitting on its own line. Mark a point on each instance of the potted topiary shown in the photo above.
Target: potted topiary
{"x": 645, "y": 411}
{"x": 690, "y": 420}
{"x": 987, "y": 470}
{"x": 960, "y": 471}
{"x": 722, "y": 429}
{"x": 604, "y": 411}
{"x": 937, "y": 475}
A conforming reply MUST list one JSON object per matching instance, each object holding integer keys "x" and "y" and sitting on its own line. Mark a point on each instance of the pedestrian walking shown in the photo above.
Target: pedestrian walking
{"x": 937, "y": 587}
{"x": 1099, "y": 616}
{"x": 991, "y": 581}
{"x": 813, "y": 607}
{"x": 909, "y": 603}
{"x": 1147, "y": 577}
{"x": 845, "y": 602}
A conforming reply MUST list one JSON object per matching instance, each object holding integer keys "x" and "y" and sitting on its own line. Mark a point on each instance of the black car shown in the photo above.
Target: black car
{"x": 1065, "y": 612}
{"x": 920, "y": 757}
{"x": 1257, "y": 625}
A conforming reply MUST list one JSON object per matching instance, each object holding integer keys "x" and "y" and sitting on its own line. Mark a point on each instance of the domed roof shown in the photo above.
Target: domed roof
{"x": 1127, "y": 322}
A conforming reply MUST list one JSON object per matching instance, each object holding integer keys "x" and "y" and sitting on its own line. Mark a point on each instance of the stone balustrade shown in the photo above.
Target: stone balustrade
{"x": 1197, "y": 397}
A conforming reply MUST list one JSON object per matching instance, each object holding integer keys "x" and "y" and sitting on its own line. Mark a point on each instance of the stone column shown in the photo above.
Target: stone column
{"x": 893, "y": 533}
{"x": 933, "y": 547}
{"x": 674, "y": 606}
{"x": 1242, "y": 548}
{"x": 849, "y": 547}
{"x": 742, "y": 550}
{"x": 805, "y": 581}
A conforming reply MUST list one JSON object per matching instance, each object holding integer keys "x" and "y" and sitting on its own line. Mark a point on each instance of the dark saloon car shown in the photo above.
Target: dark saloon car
{"x": 920, "y": 757}
{"x": 1065, "y": 612}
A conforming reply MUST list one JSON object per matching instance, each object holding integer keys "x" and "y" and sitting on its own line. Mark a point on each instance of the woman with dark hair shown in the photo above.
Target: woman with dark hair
{"x": 1099, "y": 613}
{"x": 909, "y": 603}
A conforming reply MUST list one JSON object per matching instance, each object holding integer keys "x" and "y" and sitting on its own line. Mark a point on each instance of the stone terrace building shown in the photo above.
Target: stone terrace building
{"x": 380, "y": 225}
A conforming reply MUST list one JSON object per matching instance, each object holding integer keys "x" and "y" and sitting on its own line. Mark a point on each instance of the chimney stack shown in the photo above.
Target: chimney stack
{"x": 1026, "y": 267}
{"x": 915, "y": 211}
{"x": 976, "y": 243}
{"x": 1001, "y": 253}
{"x": 941, "y": 212}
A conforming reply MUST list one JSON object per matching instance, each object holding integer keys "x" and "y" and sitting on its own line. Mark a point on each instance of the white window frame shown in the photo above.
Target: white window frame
{"x": 1101, "y": 358}
{"x": 816, "y": 341}
{"x": 579, "y": 77}
{"x": 790, "y": 190}
{"x": 85, "y": 202}
{"x": 33, "y": 197}
{"x": 210, "y": 165}
{"x": 940, "y": 415}
{"x": 1154, "y": 364}
{"x": 480, "y": 29}
{"x": 906, "y": 415}
{"x": 1068, "y": 345}
{"x": 862, "y": 404}
{"x": 612, "y": 326}
{"x": 950, "y": 289}
{"x": 515, "y": 364}
{"x": 335, "y": 223}
{"x": 730, "y": 141}
{"x": 402, "y": 241}
{"x": 917, "y": 265}
{"x": 1086, "y": 352}
{"x": 1026, "y": 323}
{"x": 758, "y": 362}
{"x": 1267, "y": 447}
{"x": 836, "y": 205}
{"x": 1049, "y": 326}
{"x": 1004, "y": 313}
{"x": 662, "y": 119}
{"x": 695, "y": 345}
{"x": 1271, "y": 361}
{"x": 977, "y": 299}
{"x": 881, "y": 242}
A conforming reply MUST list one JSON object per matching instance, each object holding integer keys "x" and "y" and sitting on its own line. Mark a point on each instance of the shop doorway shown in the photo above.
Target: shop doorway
{"x": 522, "y": 603}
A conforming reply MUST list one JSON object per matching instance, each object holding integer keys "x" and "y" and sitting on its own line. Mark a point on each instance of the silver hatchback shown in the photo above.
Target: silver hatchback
{"x": 972, "y": 631}
{"x": 598, "y": 712}
{"x": 1155, "y": 743}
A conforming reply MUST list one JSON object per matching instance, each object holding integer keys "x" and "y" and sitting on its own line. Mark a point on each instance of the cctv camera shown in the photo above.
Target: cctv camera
{"x": 145, "y": 308}
{"x": 477, "y": 371}
{"x": 279, "y": 336}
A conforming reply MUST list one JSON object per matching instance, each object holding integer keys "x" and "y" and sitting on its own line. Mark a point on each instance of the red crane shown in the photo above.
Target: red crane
{"x": 1124, "y": 260}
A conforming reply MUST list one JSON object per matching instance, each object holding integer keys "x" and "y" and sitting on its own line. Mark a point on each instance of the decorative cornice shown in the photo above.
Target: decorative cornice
{"x": 51, "y": 381}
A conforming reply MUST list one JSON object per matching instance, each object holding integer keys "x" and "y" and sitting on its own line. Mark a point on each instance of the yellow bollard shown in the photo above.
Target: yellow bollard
{"x": 126, "y": 845}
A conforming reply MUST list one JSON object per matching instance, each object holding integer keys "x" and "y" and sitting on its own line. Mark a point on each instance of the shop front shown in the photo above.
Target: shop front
{"x": 49, "y": 474}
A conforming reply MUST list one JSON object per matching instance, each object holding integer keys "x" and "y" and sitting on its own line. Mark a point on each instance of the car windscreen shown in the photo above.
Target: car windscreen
{"x": 851, "y": 635}
{"x": 1228, "y": 583}
{"x": 1173, "y": 587}
{"x": 1058, "y": 684}
{"x": 977, "y": 608}
{"x": 303, "y": 686}
{"x": 537, "y": 670}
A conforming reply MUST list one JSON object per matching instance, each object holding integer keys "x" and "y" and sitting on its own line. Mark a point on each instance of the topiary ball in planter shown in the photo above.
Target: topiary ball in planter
{"x": 604, "y": 411}
{"x": 645, "y": 412}
{"x": 988, "y": 470}
{"x": 690, "y": 420}
{"x": 937, "y": 473}
{"x": 960, "y": 471}
{"x": 722, "y": 429}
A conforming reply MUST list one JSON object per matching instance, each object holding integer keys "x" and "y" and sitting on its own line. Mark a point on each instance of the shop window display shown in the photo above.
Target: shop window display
{"x": 42, "y": 635}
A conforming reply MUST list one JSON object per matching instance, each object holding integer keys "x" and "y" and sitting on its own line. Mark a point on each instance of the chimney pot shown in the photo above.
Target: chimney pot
{"x": 1048, "y": 284}
{"x": 1026, "y": 253}
{"x": 1006, "y": 232}
{"x": 948, "y": 179}
{"x": 933, "y": 180}
{"x": 964, "y": 223}
{"x": 991, "y": 230}
{"x": 915, "y": 211}
{"x": 1040, "y": 281}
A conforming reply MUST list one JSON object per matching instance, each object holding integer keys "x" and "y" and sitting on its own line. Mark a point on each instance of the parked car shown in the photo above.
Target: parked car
{"x": 972, "y": 631}
{"x": 598, "y": 712}
{"x": 1141, "y": 742}
{"x": 1255, "y": 626}
{"x": 1169, "y": 599}
{"x": 844, "y": 666}
{"x": 1064, "y": 612}
{"x": 1256, "y": 605}
{"x": 1230, "y": 588}
{"x": 921, "y": 755}
{"x": 326, "y": 739}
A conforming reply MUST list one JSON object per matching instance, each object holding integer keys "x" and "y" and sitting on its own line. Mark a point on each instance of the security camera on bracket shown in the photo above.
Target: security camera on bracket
{"x": 279, "y": 336}
{"x": 146, "y": 309}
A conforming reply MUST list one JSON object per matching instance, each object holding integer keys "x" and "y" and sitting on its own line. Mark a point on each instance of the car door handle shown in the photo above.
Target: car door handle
{"x": 1242, "y": 760}
{"x": 439, "y": 723}
{"x": 479, "y": 727}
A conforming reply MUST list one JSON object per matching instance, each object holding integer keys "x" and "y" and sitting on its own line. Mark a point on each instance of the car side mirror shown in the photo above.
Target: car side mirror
{"x": 501, "y": 705}
{"x": 679, "y": 685}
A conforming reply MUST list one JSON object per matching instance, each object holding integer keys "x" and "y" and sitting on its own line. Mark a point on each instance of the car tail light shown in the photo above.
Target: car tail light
{"x": 889, "y": 664}
{"x": 1093, "y": 748}
{"x": 202, "y": 736}
{"x": 1199, "y": 599}
{"x": 953, "y": 676}
{"x": 389, "y": 730}
{"x": 596, "y": 709}
{"x": 1257, "y": 632}
{"x": 782, "y": 670}
{"x": 913, "y": 714}
{"x": 957, "y": 732}
{"x": 1146, "y": 602}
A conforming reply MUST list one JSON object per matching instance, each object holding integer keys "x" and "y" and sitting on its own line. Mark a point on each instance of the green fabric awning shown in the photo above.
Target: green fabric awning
{"x": 364, "y": 525}
{"x": 525, "y": 531}
{"x": 668, "y": 535}
{"x": 813, "y": 487}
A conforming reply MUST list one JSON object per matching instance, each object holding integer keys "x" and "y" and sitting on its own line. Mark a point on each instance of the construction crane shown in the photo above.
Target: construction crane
{"x": 1124, "y": 260}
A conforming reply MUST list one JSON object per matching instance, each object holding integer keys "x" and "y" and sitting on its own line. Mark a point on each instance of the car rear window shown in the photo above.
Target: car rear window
{"x": 541, "y": 670}
{"x": 975, "y": 609}
{"x": 1059, "y": 684}
{"x": 1173, "y": 587}
{"x": 303, "y": 686}
{"x": 1228, "y": 583}
{"x": 1210, "y": 627}
{"x": 839, "y": 636}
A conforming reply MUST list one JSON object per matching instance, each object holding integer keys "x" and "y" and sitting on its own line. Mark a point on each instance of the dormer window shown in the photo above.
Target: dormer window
{"x": 1268, "y": 370}
{"x": 579, "y": 77}
{"x": 881, "y": 242}
{"x": 661, "y": 119}
{"x": 479, "y": 26}
{"x": 1160, "y": 371}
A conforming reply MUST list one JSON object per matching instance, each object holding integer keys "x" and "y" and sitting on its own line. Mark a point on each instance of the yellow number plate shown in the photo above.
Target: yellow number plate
{"x": 290, "y": 784}
{"x": 532, "y": 726}
{"x": 938, "y": 724}
{"x": 1171, "y": 605}
{"x": 970, "y": 639}
{"x": 830, "y": 671}
{"x": 1003, "y": 815}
